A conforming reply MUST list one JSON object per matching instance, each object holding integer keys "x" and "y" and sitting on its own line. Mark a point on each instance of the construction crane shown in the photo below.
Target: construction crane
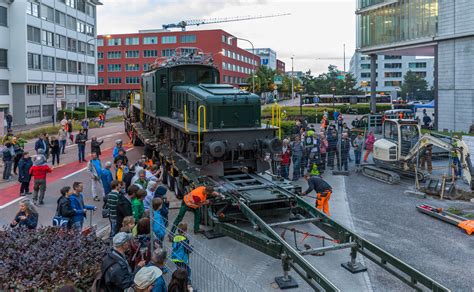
{"x": 182, "y": 24}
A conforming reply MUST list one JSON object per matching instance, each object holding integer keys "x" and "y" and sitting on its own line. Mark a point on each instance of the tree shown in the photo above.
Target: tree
{"x": 350, "y": 85}
{"x": 414, "y": 86}
{"x": 324, "y": 82}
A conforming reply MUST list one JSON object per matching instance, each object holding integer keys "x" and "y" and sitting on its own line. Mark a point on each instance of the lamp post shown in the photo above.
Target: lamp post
{"x": 292, "y": 80}
{"x": 253, "y": 59}
{"x": 333, "y": 98}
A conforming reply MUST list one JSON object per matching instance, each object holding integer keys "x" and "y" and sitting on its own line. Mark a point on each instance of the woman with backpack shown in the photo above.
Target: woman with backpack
{"x": 64, "y": 211}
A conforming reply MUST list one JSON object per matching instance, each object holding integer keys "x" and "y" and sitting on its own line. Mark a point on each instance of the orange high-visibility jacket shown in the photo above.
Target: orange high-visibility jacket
{"x": 195, "y": 197}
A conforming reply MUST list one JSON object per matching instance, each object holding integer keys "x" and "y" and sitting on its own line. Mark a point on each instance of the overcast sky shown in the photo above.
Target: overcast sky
{"x": 315, "y": 28}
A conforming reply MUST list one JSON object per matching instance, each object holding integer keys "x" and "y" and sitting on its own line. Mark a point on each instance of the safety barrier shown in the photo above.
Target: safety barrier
{"x": 186, "y": 119}
{"x": 199, "y": 126}
{"x": 276, "y": 117}
{"x": 209, "y": 272}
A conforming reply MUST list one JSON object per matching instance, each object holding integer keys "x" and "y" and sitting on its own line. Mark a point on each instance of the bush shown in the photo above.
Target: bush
{"x": 79, "y": 113}
{"x": 48, "y": 259}
{"x": 111, "y": 103}
{"x": 50, "y": 130}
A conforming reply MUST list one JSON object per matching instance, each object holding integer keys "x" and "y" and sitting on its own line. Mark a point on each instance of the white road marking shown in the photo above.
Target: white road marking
{"x": 74, "y": 173}
{"x": 12, "y": 202}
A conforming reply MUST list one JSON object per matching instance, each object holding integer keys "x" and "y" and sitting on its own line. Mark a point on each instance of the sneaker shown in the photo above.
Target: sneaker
{"x": 22, "y": 194}
{"x": 96, "y": 198}
{"x": 28, "y": 193}
{"x": 41, "y": 203}
{"x": 35, "y": 202}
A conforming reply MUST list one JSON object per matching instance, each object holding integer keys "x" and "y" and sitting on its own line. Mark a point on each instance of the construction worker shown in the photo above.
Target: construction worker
{"x": 454, "y": 154}
{"x": 425, "y": 158}
{"x": 192, "y": 202}
{"x": 323, "y": 191}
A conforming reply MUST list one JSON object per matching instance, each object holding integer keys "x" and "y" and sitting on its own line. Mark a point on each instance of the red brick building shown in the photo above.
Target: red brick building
{"x": 280, "y": 67}
{"x": 122, "y": 58}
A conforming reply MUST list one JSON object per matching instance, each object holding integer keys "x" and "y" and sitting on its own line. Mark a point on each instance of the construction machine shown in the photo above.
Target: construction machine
{"x": 396, "y": 153}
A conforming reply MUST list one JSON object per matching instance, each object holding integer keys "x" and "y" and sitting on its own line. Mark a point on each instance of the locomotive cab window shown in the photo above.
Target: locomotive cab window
{"x": 163, "y": 81}
{"x": 177, "y": 76}
{"x": 204, "y": 76}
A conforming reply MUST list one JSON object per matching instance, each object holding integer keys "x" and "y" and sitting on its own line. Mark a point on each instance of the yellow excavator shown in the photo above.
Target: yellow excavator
{"x": 396, "y": 153}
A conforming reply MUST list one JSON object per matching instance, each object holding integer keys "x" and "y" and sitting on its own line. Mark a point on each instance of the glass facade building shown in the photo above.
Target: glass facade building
{"x": 382, "y": 22}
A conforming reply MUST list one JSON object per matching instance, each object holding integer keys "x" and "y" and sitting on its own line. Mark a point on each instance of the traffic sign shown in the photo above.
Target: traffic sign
{"x": 277, "y": 79}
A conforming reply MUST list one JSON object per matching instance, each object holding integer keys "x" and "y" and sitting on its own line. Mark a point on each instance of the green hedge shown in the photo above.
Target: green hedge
{"x": 79, "y": 113}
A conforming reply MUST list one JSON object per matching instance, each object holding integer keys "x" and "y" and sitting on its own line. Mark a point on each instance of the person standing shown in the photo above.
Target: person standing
{"x": 55, "y": 149}
{"x": 323, "y": 191}
{"x": 80, "y": 209}
{"x": 48, "y": 148}
{"x": 24, "y": 176}
{"x": 121, "y": 157}
{"x": 118, "y": 146}
{"x": 297, "y": 149}
{"x": 18, "y": 149}
{"x": 158, "y": 259}
{"x": 106, "y": 177}
{"x": 369, "y": 145}
{"x": 335, "y": 115}
{"x": 124, "y": 206}
{"x": 64, "y": 209}
{"x": 345, "y": 149}
{"x": 181, "y": 249}
{"x": 69, "y": 130}
{"x": 285, "y": 159}
{"x": 323, "y": 146}
{"x": 41, "y": 144}
{"x": 95, "y": 146}
{"x": 111, "y": 203}
{"x": 9, "y": 119}
{"x": 357, "y": 145}
{"x": 39, "y": 172}
{"x": 192, "y": 202}
{"x": 62, "y": 137}
{"x": 340, "y": 123}
{"x": 332, "y": 147}
{"x": 101, "y": 120}
{"x": 85, "y": 127}
{"x": 81, "y": 140}
{"x": 8, "y": 154}
{"x": 94, "y": 168}
{"x": 138, "y": 208}
{"x": 426, "y": 158}
{"x": 27, "y": 216}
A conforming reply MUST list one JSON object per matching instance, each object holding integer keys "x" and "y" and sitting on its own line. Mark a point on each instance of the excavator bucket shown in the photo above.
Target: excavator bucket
{"x": 434, "y": 187}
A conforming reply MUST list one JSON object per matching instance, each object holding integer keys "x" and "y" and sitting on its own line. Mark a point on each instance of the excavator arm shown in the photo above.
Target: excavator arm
{"x": 462, "y": 150}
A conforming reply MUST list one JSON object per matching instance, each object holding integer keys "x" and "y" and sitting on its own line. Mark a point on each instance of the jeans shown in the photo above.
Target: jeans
{"x": 296, "y": 167}
{"x": 81, "y": 149}
{"x": 113, "y": 226}
{"x": 9, "y": 125}
{"x": 62, "y": 145}
{"x": 7, "y": 171}
{"x": 77, "y": 225}
{"x": 285, "y": 171}
{"x": 15, "y": 162}
{"x": 25, "y": 187}
{"x": 39, "y": 185}
{"x": 344, "y": 162}
{"x": 182, "y": 211}
{"x": 55, "y": 157}
{"x": 457, "y": 166}
{"x": 358, "y": 156}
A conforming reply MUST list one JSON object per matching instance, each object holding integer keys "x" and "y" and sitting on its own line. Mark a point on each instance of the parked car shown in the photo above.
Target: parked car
{"x": 98, "y": 104}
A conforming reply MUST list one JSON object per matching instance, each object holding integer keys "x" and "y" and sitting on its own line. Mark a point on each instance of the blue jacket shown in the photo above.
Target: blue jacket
{"x": 77, "y": 203}
{"x": 107, "y": 178}
{"x": 7, "y": 154}
{"x": 116, "y": 150}
{"x": 24, "y": 166}
{"x": 160, "y": 284}
{"x": 159, "y": 227}
{"x": 181, "y": 249}
{"x": 41, "y": 144}
{"x": 30, "y": 222}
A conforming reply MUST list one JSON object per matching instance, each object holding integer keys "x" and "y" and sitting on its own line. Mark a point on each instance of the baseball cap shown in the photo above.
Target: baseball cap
{"x": 121, "y": 238}
{"x": 146, "y": 276}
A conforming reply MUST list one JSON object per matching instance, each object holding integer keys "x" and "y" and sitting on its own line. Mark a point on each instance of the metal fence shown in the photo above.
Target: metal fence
{"x": 209, "y": 271}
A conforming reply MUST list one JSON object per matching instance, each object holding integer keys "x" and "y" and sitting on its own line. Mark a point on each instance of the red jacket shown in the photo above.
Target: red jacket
{"x": 40, "y": 171}
{"x": 286, "y": 157}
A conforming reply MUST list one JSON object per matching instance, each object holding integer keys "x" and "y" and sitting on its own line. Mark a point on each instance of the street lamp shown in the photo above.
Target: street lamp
{"x": 292, "y": 80}
{"x": 85, "y": 72}
{"x": 333, "y": 98}
{"x": 253, "y": 59}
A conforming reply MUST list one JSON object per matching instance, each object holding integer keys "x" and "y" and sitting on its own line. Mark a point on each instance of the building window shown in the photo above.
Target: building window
{"x": 187, "y": 51}
{"x": 91, "y": 50}
{"x": 33, "y": 111}
{"x": 3, "y": 16}
{"x": 33, "y": 34}
{"x": 115, "y": 42}
{"x": 47, "y": 38}
{"x": 61, "y": 65}
{"x": 47, "y": 13}
{"x": 224, "y": 66}
{"x": 100, "y": 55}
{"x": 60, "y": 41}
{"x": 4, "y": 87}
{"x": 32, "y": 89}
{"x": 393, "y": 83}
{"x": 3, "y": 58}
{"x": 168, "y": 52}
{"x": 132, "y": 41}
{"x": 71, "y": 3}
{"x": 132, "y": 80}
{"x": 114, "y": 80}
{"x": 132, "y": 54}
{"x": 416, "y": 65}
{"x": 72, "y": 66}
{"x": 393, "y": 74}
{"x": 388, "y": 57}
{"x": 70, "y": 89}
{"x": 81, "y": 5}
{"x": 81, "y": 68}
{"x": 224, "y": 38}
{"x": 114, "y": 67}
{"x": 393, "y": 65}
{"x": 91, "y": 69}
{"x": 90, "y": 10}
{"x": 150, "y": 40}
{"x": 71, "y": 45}
{"x": 48, "y": 110}
{"x": 150, "y": 53}
{"x": 48, "y": 63}
{"x": 101, "y": 80}
{"x": 132, "y": 67}
{"x": 90, "y": 30}
{"x": 114, "y": 55}
{"x": 188, "y": 38}
{"x": 171, "y": 39}
{"x": 34, "y": 61}
{"x": 81, "y": 89}
{"x": 146, "y": 67}
{"x": 32, "y": 9}
{"x": 420, "y": 74}
{"x": 100, "y": 42}
{"x": 71, "y": 23}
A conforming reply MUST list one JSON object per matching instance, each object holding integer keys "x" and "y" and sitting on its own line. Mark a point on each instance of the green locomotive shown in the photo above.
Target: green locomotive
{"x": 214, "y": 126}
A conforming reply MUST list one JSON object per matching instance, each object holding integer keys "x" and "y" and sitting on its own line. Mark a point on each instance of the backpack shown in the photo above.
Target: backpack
{"x": 105, "y": 208}
{"x": 99, "y": 284}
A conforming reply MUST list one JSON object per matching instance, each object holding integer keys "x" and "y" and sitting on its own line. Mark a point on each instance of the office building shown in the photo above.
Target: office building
{"x": 280, "y": 66}
{"x": 268, "y": 57}
{"x": 443, "y": 29}
{"x": 122, "y": 58}
{"x": 44, "y": 44}
{"x": 390, "y": 71}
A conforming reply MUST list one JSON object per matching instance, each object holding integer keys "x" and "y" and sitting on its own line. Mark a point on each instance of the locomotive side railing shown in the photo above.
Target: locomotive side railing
{"x": 199, "y": 126}
{"x": 276, "y": 117}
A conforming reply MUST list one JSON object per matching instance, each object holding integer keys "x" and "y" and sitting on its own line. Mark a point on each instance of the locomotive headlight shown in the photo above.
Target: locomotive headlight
{"x": 217, "y": 149}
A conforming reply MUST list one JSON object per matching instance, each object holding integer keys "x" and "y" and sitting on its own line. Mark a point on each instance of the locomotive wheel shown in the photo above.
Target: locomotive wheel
{"x": 171, "y": 182}
{"x": 165, "y": 177}
{"x": 177, "y": 192}
{"x": 135, "y": 140}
